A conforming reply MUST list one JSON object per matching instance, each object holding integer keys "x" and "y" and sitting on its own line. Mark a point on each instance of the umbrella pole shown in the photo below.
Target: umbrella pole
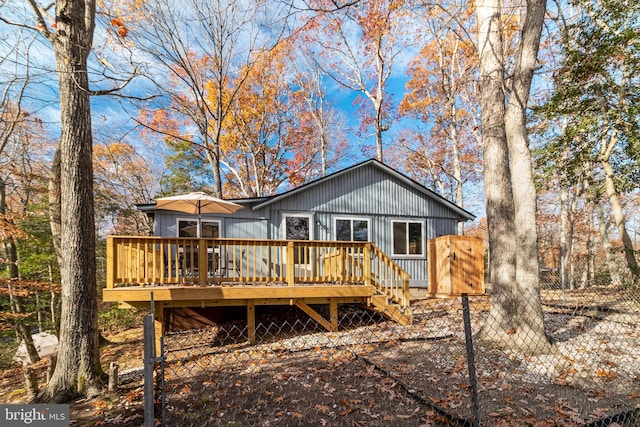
{"x": 199, "y": 228}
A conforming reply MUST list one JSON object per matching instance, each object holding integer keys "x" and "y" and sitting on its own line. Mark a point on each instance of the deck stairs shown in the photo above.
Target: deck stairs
{"x": 385, "y": 305}
{"x": 392, "y": 301}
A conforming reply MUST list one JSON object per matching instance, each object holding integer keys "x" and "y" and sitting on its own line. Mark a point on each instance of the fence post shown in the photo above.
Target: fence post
{"x": 149, "y": 359}
{"x": 163, "y": 394}
{"x": 562, "y": 277}
{"x": 470, "y": 360}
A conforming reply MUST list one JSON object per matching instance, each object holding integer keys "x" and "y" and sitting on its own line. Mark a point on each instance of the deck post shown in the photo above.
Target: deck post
{"x": 366, "y": 264}
{"x": 333, "y": 313}
{"x": 251, "y": 321}
{"x": 406, "y": 292}
{"x": 291, "y": 269}
{"x": 111, "y": 262}
{"x": 203, "y": 268}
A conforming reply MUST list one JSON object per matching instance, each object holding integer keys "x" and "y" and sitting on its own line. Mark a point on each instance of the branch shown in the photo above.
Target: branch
{"x": 336, "y": 6}
{"x": 41, "y": 13}
{"x": 20, "y": 25}
{"x": 111, "y": 91}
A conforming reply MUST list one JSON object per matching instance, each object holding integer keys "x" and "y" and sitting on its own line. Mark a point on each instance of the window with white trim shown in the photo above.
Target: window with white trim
{"x": 189, "y": 228}
{"x": 408, "y": 238}
{"x": 352, "y": 229}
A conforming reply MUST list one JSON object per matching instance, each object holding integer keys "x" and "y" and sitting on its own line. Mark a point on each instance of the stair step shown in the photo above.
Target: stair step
{"x": 392, "y": 310}
{"x": 380, "y": 300}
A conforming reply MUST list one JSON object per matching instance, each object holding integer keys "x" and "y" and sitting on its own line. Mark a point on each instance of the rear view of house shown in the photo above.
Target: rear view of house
{"x": 368, "y": 202}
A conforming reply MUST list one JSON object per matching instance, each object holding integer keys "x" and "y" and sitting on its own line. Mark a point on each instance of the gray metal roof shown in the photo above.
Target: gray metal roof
{"x": 384, "y": 168}
{"x": 262, "y": 202}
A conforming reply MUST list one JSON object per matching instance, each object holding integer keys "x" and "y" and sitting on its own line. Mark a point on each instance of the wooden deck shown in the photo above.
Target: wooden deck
{"x": 197, "y": 272}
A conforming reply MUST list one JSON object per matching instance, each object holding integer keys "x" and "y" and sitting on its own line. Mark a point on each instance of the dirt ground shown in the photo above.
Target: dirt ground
{"x": 373, "y": 372}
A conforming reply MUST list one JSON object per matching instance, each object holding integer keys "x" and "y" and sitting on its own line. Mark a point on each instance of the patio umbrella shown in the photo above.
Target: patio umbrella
{"x": 196, "y": 203}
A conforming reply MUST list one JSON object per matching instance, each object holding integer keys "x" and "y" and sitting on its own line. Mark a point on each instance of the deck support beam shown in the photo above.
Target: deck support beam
{"x": 316, "y": 316}
{"x": 158, "y": 314}
{"x": 251, "y": 321}
{"x": 333, "y": 313}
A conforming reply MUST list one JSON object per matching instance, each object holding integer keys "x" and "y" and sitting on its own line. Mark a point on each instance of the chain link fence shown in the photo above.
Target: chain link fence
{"x": 375, "y": 372}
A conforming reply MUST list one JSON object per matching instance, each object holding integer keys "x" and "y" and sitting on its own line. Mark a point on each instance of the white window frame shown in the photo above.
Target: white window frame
{"x": 351, "y": 218}
{"x": 422, "y": 243}
{"x": 286, "y": 215}
{"x": 198, "y": 225}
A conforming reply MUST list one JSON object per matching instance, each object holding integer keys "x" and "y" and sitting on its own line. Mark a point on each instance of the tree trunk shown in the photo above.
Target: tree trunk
{"x": 54, "y": 307}
{"x": 499, "y": 200}
{"x": 531, "y": 326}
{"x": 616, "y": 280}
{"x": 377, "y": 104}
{"x": 38, "y": 311}
{"x": 457, "y": 163}
{"x": 78, "y": 368}
{"x": 567, "y": 220}
{"x": 618, "y": 216}
{"x": 24, "y": 332}
{"x": 515, "y": 319}
{"x": 323, "y": 150}
{"x": 55, "y": 221}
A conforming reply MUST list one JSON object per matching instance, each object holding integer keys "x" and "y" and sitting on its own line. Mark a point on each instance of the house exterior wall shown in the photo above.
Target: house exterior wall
{"x": 245, "y": 224}
{"x": 366, "y": 192}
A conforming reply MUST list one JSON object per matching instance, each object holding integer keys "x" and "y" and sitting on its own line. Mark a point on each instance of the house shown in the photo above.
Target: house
{"x": 369, "y": 201}
{"x": 357, "y": 236}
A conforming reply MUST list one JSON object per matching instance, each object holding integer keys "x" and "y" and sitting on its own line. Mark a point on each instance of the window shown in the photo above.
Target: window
{"x": 352, "y": 229}
{"x": 210, "y": 229}
{"x": 298, "y": 227}
{"x": 407, "y": 238}
{"x": 189, "y": 228}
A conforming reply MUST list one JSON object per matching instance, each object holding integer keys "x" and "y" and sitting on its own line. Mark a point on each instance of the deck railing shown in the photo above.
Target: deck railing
{"x": 145, "y": 261}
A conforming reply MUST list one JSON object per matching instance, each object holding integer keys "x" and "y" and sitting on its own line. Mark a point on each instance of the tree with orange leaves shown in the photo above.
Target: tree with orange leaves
{"x": 198, "y": 58}
{"x": 265, "y": 145}
{"x": 122, "y": 178}
{"x": 357, "y": 46}
{"x": 442, "y": 94}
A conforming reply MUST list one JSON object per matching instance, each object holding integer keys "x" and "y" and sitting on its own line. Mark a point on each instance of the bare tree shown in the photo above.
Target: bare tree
{"x": 200, "y": 54}
{"x": 357, "y": 46}
{"x": 321, "y": 118}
